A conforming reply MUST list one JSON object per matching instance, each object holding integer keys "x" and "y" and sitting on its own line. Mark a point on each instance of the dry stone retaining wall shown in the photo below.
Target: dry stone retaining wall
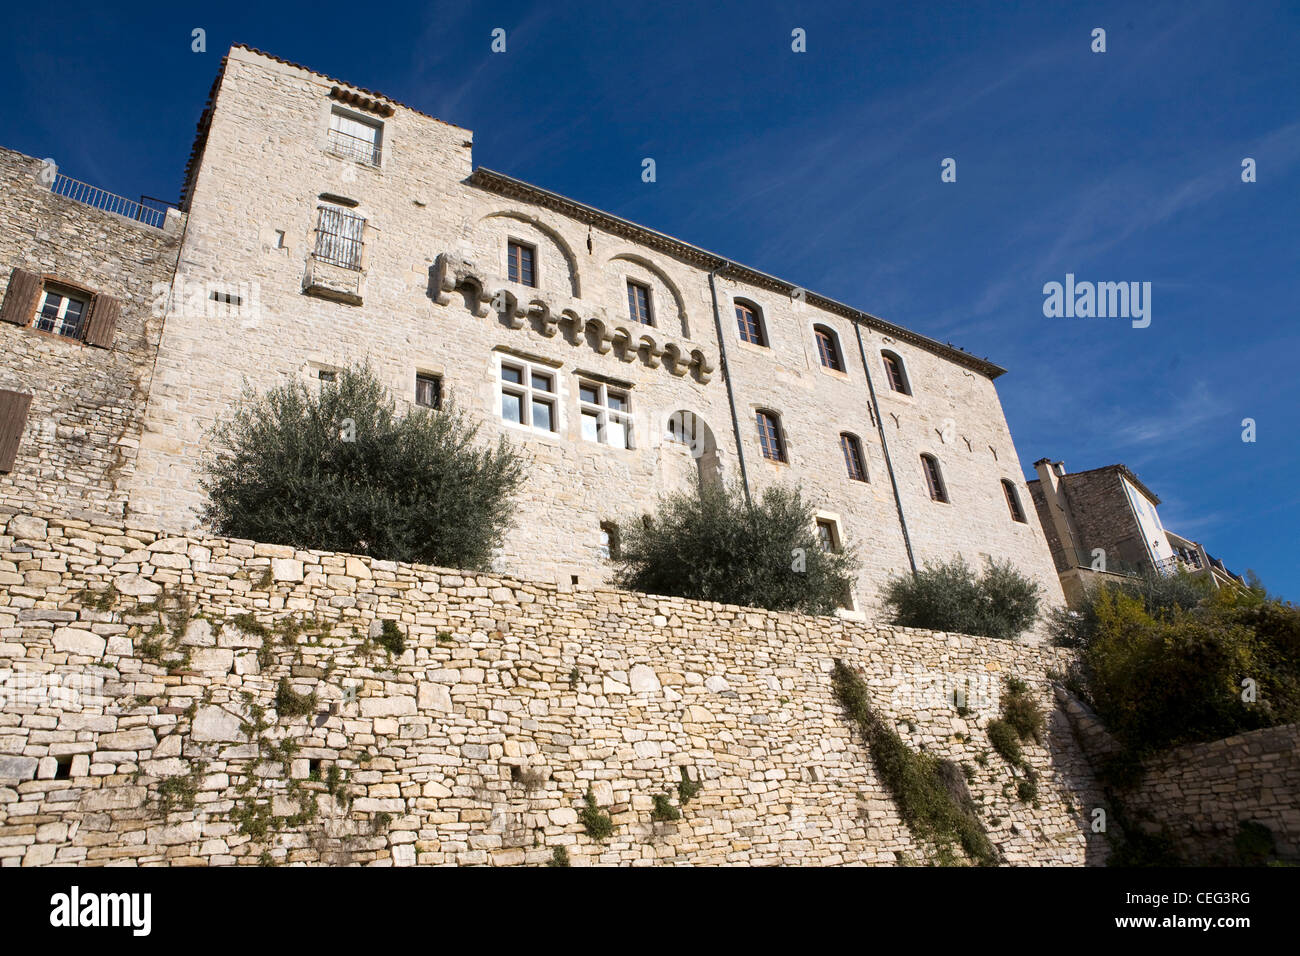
{"x": 477, "y": 741}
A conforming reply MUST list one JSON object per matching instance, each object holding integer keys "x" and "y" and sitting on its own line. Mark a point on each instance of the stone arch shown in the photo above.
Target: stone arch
{"x": 680, "y": 303}
{"x": 561, "y": 244}
{"x": 689, "y": 450}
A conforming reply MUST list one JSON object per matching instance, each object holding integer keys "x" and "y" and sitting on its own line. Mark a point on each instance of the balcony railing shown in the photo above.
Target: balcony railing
{"x": 98, "y": 198}
{"x": 354, "y": 147}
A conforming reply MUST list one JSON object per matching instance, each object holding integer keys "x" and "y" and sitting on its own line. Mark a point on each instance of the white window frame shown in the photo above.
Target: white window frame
{"x": 604, "y": 414}
{"x": 527, "y": 393}
{"x": 346, "y": 148}
{"x": 66, "y": 299}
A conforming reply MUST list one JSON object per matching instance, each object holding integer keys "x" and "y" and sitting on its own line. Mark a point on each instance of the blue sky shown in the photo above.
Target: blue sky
{"x": 824, "y": 168}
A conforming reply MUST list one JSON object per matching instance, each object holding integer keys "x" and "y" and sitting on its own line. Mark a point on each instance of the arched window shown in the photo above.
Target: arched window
{"x": 828, "y": 348}
{"x": 770, "y": 437}
{"x": 934, "y": 478}
{"x": 750, "y": 323}
{"x": 1013, "y": 501}
{"x": 853, "y": 460}
{"x": 896, "y": 373}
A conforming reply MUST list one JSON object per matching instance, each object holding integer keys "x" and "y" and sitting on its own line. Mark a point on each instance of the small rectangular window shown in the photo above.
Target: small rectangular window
{"x": 61, "y": 313}
{"x": 428, "y": 390}
{"x": 638, "y": 302}
{"x": 827, "y": 535}
{"x": 604, "y": 414}
{"x": 519, "y": 263}
{"x": 327, "y": 376}
{"x": 353, "y": 136}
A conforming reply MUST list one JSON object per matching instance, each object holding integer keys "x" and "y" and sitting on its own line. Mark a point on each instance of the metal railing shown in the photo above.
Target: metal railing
{"x": 98, "y": 198}
{"x": 354, "y": 147}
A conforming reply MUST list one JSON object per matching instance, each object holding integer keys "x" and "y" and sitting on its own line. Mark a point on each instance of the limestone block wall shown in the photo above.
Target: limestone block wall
{"x": 258, "y": 719}
{"x": 263, "y": 170}
{"x": 1200, "y": 794}
{"x": 79, "y": 447}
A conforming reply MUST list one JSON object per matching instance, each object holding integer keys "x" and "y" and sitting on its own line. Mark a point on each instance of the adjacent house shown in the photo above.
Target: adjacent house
{"x": 1103, "y": 523}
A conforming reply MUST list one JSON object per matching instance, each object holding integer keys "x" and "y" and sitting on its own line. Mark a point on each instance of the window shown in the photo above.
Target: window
{"x": 828, "y": 348}
{"x": 853, "y": 460}
{"x": 933, "y": 478}
{"x": 604, "y": 414}
{"x": 1013, "y": 501}
{"x": 519, "y": 263}
{"x": 428, "y": 390}
{"x": 895, "y": 373}
{"x": 338, "y": 237}
{"x": 638, "y": 302}
{"x": 64, "y": 309}
{"x": 609, "y": 540}
{"x": 527, "y": 395}
{"x": 353, "y": 136}
{"x": 750, "y": 325}
{"x": 769, "y": 436}
{"x": 828, "y": 535}
{"x": 62, "y": 314}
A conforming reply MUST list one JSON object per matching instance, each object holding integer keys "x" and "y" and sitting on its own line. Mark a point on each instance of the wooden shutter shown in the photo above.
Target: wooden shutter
{"x": 20, "y": 298}
{"x": 13, "y": 417}
{"x": 104, "y": 310}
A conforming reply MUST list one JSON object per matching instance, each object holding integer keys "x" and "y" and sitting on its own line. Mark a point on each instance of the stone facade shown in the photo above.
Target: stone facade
{"x": 78, "y": 447}
{"x": 477, "y": 741}
{"x": 425, "y": 300}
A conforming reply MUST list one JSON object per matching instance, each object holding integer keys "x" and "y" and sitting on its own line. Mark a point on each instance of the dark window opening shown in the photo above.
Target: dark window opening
{"x": 428, "y": 390}
{"x": 519, "y": 263}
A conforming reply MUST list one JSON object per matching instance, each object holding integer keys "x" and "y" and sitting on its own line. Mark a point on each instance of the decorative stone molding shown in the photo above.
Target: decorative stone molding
{"x": 451, "y": 273}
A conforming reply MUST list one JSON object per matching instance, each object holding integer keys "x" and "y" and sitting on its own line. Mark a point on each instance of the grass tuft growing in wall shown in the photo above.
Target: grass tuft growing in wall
{"x": 597, "y": 824}
{"x": 929, "y": 797}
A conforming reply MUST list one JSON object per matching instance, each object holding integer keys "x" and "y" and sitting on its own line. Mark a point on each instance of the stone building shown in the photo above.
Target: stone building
{"x": 1102, "y": 524}
{"x": 335, "y": 225}
{"x": 78, "y": 336}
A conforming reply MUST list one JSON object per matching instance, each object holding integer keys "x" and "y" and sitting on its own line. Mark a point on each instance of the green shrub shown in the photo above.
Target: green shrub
{"x": 664, "y": 811}
{"x": 688, "y": 789}
{"x": 1159, "y": 595}
{"x": 559, "y": 857}
{"x": 930, "y": 794}
{"x": 341, "y": 471}
{"x": 947, "y": 596}
{"x": 1027, "y": 790}
{"x": 597, "y": 824}
{"x": 289, "y": 703}
{"x": 1160, "y": 681}
{"x": 1006, "y": 741}
{"x": 711, "y": 544}
{"x": 391, "y": 638}
{"x": 1021, "y": 711}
